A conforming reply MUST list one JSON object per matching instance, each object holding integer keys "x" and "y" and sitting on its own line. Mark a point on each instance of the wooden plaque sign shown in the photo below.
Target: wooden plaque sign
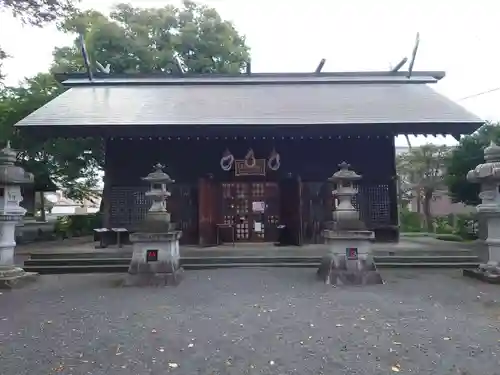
{"x": 242, "y": 169}
{"x": 351, "y": 253}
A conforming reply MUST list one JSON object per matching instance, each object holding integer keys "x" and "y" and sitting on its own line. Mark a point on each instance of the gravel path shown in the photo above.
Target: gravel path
{"x": 252, "y": 321}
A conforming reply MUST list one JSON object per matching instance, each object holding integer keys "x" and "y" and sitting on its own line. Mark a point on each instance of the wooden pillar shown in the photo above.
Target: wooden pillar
{"x": 207, "y": 211}
{"x": 106, "y": 192}
{"x": 393, "y": 193}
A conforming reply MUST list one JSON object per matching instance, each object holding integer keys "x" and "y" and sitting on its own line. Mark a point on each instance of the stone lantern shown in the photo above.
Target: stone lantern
{"x": 155, "y": 257}
{"x": 349, "y": 259}
{"x": 12, "y": 177}
{"x": 159, "y": 182}
{"x": 344, "y": 191}
{"x": 488, "y": 175}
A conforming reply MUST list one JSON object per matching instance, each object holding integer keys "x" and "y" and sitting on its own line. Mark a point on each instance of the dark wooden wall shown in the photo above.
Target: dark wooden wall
{"x": 186, "y": 160}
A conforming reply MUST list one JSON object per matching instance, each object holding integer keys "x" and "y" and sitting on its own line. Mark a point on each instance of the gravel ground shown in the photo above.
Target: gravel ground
{"x": 252, "y": 321}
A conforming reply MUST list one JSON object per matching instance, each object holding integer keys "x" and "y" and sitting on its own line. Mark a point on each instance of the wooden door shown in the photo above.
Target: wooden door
{"x": 207, "y": 211}
{"x": 291, "y": 209}
{"x": 250, "y": 207}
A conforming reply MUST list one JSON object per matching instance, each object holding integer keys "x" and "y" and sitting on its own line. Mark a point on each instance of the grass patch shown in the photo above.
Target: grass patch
{"x": 449, "y": 237}
{"x": 417, "y": 234}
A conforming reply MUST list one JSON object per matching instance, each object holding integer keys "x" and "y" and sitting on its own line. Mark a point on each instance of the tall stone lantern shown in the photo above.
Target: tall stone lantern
{"x": 12, "y": 177}
{"x": 349, "y": 259}
{"x": 155, "y": 257}
{"x": 159, "y": 182}
{"x": 488, "y": 175}
{"x": 343, "y": 181}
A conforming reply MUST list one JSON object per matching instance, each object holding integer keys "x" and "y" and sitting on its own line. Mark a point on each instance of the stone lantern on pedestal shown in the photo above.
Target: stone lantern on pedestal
{"x": 488, "y": 175}
{"x": 350, "y": 259}
{"x": 155, "y": 258}
{"x": 343, "y": 181}
{"x": 11, "y": 213}
{"x": 159, "y": 182}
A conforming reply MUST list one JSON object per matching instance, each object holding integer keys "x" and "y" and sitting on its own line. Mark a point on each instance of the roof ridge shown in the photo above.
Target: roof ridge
{"x": 306, "y": 77}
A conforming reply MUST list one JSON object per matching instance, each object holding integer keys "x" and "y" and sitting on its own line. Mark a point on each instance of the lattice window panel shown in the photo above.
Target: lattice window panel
{"x": 259, "y": 194}
{"x": 129, "y": 206}
{"x": 226, "y": 190}
{"x": 375, "y": 204}
{"x": 258, "y": 190}
{"x": 242, "y": 230}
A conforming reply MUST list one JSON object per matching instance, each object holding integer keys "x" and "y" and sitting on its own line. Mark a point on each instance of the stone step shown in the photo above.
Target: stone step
{"x": 249, "y": 259}
{"x": 212, "y": 253}
{"x": 77, "y": 262}
{"x": 118, "y": 265}
{"x": 123, "y": 269}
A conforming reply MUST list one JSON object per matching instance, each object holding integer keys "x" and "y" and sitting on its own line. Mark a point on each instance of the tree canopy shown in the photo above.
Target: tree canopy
{"x": 421, "y": 171}
{"x": 71, "y": 164}
{"x": 466, "y": 156}
{"x": 149, "y": 40}
{"x": 35, "y": 12}
{"x": 130, "y": 40}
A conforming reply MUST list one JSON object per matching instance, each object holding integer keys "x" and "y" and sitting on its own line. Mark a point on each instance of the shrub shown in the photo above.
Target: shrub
{"x": 77, "y": 225}
{"x": 61, "y": 228}
{"x": 443, "y": 225}
{"x": 410, "y": 221}
{"x": 449, "y": 237}
{"x": 467, "y": 226}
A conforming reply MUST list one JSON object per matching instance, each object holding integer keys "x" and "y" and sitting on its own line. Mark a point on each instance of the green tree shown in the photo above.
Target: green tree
{"x": 71, "y": 164}
{"x": 154, "y": 40}
{"x": 424, "y": 170}
{"x": 137, "y": 40}
{"x": 35, "y": 12}
{"x": 466, "y": 156}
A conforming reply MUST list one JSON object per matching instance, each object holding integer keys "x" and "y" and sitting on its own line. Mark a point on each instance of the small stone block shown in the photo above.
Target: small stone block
{"x": 489, "y": 273}
{"x": 15, "y": 277}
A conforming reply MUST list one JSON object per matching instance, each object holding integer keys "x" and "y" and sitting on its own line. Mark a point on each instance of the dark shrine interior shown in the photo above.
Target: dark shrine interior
{"x": 190, "y": 161}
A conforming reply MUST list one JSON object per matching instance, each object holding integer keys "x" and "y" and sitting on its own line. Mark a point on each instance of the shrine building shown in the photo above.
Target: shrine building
{"x": 251, "y": 151}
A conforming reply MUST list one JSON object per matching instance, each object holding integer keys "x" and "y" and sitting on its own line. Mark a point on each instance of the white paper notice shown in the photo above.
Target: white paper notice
{"x": 257, "y": 227}
{"x": 258, "y": 206}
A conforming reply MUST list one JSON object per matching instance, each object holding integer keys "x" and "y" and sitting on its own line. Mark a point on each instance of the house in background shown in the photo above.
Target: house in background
{"x": 442, "y": 204}
{"x": 32, "y": 194}
{"x": 62, "y": 205}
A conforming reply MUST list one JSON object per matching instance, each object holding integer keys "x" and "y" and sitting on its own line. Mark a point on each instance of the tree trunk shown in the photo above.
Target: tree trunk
{"x": 418, "y": 199}
{"x": 42, "y": 206}
{"x": 427, "y": 211}
{"x": 105, "y": 207}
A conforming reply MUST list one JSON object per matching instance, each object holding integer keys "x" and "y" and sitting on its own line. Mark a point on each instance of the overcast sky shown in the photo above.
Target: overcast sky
{"x": 459, "y": 37}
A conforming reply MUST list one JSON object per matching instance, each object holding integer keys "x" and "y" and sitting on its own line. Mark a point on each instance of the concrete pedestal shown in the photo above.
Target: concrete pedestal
{"x": 489, "y": 272}
{"x": 165, "y": 269}
{"x": 350, "y": 260}
{"x": 11, "y": 276}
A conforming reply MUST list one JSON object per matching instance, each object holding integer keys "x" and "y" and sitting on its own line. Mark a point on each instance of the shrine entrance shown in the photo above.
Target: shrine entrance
{"x": 252, "y": 209}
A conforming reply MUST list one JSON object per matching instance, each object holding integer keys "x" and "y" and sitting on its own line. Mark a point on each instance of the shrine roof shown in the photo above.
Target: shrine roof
{"x": 267, "y": 99}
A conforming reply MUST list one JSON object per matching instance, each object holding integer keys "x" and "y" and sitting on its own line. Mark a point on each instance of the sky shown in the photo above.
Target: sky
{"x": 459, "y": 37}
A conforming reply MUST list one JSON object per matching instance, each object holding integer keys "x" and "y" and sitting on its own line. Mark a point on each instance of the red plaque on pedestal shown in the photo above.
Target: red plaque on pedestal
{"x": 351, "y": 253}
{"x": 151, "y": 255}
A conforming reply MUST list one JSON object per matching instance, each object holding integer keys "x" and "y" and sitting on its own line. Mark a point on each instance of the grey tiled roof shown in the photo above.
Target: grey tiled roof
{"x": 247, "y": 104}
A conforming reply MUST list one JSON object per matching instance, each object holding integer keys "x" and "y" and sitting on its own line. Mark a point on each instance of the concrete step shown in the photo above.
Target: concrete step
{"x": 70, "y": 261}
{"x": 230, "y": 252}
{"x": 102, "y": 268}
{"x": 85, "y": 255}
{"x": 89, "y": 265}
